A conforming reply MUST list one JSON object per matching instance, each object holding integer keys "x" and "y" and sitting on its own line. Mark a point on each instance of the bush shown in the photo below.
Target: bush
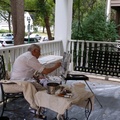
{"x": 94, "y": 27}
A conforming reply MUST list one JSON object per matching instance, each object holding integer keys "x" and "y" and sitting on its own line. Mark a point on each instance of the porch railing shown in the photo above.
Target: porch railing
{"x": 47, "y": 48}
{"x": 84, "y": 52}
{"x": 79, "y": 50}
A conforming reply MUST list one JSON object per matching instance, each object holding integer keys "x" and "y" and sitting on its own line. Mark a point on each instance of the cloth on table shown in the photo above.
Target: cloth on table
{"x": 60, "y": 104}
{"x": 26, "y": 87}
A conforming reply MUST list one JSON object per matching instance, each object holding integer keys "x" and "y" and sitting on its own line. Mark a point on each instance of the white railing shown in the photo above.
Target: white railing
{"x": 55, "y": 48}
{"x": 47, "y": 48}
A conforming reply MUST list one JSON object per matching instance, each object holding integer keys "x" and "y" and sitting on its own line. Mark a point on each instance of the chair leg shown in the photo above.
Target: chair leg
{"x": 93, "y": 93}
{"x": 4, "y": 105}
{"x": 2, "y": 111}
{"x": 3, "y": 108}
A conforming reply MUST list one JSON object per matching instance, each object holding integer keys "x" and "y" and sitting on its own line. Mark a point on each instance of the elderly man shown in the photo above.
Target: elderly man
{"x": 27, "y": 63}
{"x": 25, "y": 66}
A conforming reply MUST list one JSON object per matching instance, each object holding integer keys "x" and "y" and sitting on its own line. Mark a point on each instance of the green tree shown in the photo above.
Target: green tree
{"x": 5, "y": 12}
{"x": 42, "y": 13}
{"x": 41, "y": 10}
{"x": 94, "y": 26}
{"x": 46, "y": 13}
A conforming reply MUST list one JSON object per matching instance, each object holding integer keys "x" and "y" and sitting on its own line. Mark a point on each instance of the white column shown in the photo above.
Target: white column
{"x": 108, "y": 10}
{"x": 63, "y": 21}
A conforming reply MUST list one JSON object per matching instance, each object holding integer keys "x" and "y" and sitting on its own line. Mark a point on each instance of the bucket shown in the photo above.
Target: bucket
{"x": 52, "y": 87}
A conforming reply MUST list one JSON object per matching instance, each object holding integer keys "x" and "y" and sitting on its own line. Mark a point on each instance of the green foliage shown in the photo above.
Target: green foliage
{"x": 30, "y": 5}
{"x": 4, "y": 31}
{"x": 45, "y": 8}
{"x": 5, "y": 5}
{"x": 94, "y": 27}
{"x": 41, "y": 9}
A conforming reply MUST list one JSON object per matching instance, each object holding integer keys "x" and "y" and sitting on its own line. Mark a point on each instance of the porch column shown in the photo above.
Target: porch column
{"x": 118, "y": 21}
{"x": 108, "y": 10}
{"x": 63, "y": 21}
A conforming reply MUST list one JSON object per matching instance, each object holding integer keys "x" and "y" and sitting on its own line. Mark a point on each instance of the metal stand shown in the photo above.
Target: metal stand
{"x": 82, "y": 77}
{"x": 93, "y": 94}
{"x": 88, "y": 109}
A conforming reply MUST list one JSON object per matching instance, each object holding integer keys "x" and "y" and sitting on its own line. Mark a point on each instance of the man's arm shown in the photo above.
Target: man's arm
{"x": 51, "y": 69}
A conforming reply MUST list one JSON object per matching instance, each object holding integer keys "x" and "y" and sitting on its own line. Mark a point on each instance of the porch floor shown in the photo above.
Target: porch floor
{"x": 107, "y": 92}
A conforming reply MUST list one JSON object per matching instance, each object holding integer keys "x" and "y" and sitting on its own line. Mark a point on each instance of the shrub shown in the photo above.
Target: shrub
{"x": 94, "y": 27}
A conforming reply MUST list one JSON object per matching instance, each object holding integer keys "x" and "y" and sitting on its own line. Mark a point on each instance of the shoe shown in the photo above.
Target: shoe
{"x": 40, "y": 117}
{"x": 32, "y": 110}
{"x": 42, "y": 111}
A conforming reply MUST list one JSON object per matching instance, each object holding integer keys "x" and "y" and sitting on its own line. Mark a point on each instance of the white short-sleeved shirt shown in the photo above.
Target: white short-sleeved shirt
{"x": 25, "y": 66}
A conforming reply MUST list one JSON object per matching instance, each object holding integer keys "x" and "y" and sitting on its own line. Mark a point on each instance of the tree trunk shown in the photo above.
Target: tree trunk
{"x": 17, "y": 10}
{"x": 46, "y": 19}
{"x": 43, "y": 30}
{"x": 9, "y": 21}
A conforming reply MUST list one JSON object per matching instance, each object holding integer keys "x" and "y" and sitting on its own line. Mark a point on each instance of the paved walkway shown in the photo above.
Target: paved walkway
{"x": 107, "y": 92}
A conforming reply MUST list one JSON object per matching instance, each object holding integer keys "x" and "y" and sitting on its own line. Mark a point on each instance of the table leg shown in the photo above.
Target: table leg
{"x": 88, "y": 108}
{"x": 61, "y": 117}
{"x": 41, "y": 114}
{"x": 67, "y": 118}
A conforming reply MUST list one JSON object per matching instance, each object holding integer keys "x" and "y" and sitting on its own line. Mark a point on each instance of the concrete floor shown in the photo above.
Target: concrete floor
{"x": 107, "y": 92}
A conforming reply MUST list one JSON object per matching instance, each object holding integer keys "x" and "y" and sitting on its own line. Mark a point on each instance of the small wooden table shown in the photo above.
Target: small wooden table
{"x": 80, "y": 97}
